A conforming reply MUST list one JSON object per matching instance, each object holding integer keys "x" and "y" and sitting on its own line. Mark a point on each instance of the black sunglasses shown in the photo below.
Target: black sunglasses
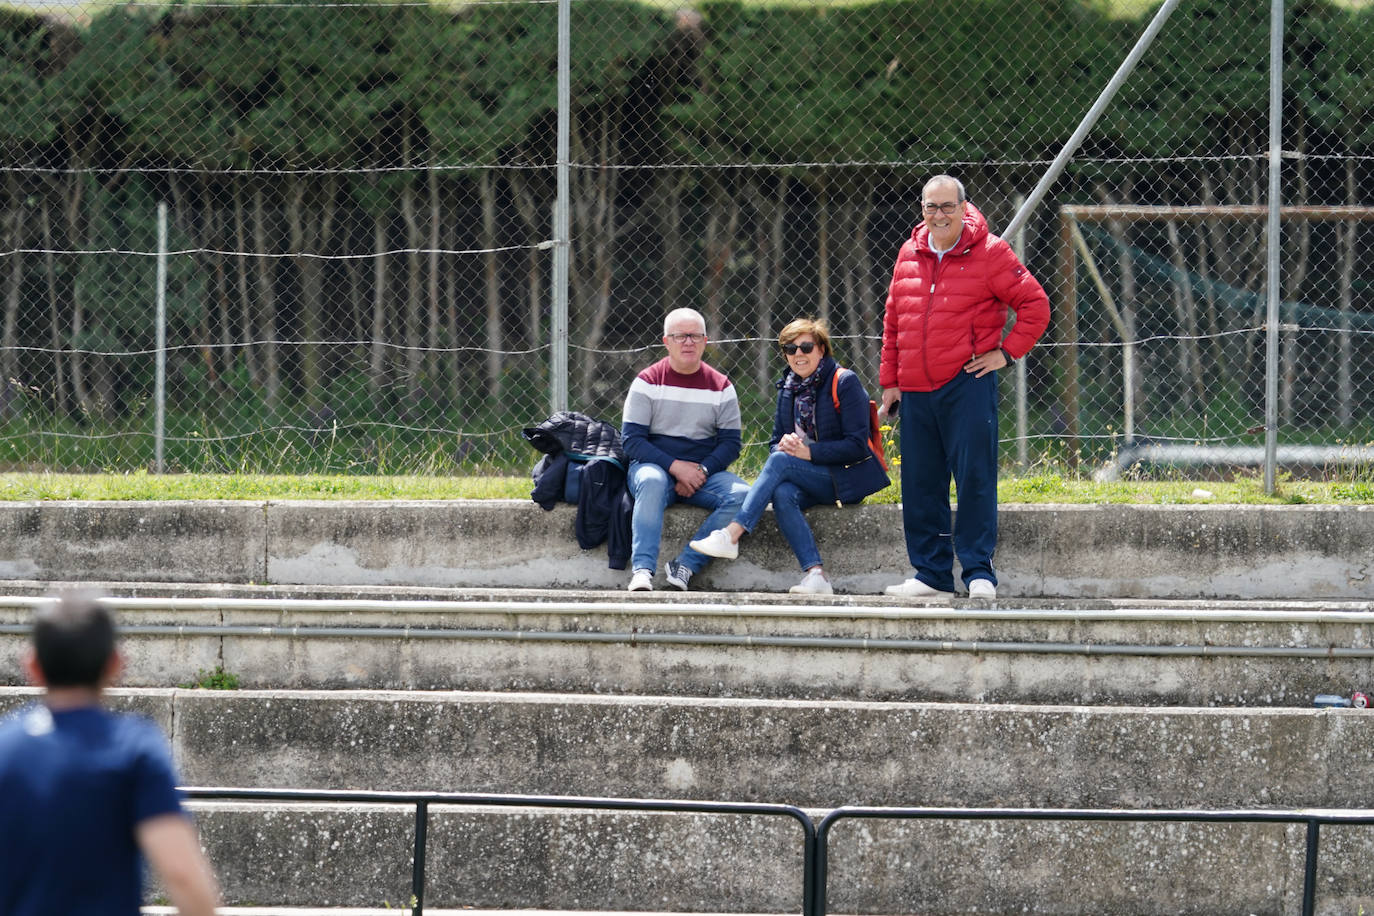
{"x": 791, "y": 349}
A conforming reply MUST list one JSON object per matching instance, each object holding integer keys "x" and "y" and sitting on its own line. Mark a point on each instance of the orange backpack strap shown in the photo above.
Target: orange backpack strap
{"x": 875, "y": 435}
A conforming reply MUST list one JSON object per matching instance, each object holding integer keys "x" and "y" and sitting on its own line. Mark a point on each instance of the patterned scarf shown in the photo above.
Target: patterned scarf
{"x": 804, "y": 396}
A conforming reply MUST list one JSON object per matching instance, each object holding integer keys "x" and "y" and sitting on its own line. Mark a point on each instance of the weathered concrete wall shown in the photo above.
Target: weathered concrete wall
{"x": 1086, "y": 551}
{"x": 207, "y": 541}
{"x": 737, "y": 645}
{"x": 810, "y": 753}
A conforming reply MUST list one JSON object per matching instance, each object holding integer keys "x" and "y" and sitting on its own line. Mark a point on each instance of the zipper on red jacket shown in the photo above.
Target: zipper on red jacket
{"x": 930, "y": 307}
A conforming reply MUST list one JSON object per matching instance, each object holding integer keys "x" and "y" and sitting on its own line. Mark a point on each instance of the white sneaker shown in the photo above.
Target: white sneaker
{"x": 717, "y": 544}
{"x": 642, "y": 580}
{"x": 982, "y": 588}
{"x": 915, "y": 588}
{"x": 813, "y": 583}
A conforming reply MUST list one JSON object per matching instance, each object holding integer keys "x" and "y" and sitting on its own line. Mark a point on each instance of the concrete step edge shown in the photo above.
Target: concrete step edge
{"x": 669, "y": 601}
{"x": 406, "y": 911}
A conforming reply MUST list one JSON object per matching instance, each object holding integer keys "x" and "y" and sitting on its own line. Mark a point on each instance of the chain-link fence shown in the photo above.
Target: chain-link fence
{"x": 361, "y": 202}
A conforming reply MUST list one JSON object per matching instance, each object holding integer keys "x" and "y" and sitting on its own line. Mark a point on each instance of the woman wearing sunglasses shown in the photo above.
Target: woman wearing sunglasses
{"x": 819, "y": 454}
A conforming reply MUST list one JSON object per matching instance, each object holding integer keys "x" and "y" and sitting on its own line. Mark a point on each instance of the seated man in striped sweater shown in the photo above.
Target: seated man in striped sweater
{"x": 681, "y": 430}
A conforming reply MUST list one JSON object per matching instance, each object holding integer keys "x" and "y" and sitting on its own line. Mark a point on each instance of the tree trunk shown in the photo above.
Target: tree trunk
{"x": 669, "y": 188}
{"x": 770, "y": 211}
{"x": 1185, "y": 307}
{"x": 722, "y": 224}
{"x": 310, "y": 233}
{"x": 413, "y": 335}
{"x": 244, "y": 286}
{"x": 377, "y": 358}
{"x": 267, "y": 302}
{"x": 432, "y": 365}
{"x": 591, "y": 263}
{"x": 823, "y": 250}
{"x": 93, "y": 382}
{"x": 455, "y": 356}
{"x": 860, "y": 316}
{"x": 59, "y": 357}
{"x": 536, "y": 221}
{"x": 72, "y": 210}
{"x": 486, "y": 185}
{"x": 184, "y": 215}
{"x": 9, "y": 352}
{"x": 217, "y": 356}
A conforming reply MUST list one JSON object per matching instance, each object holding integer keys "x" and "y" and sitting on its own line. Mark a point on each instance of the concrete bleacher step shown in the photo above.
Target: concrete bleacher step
{"x": 814, "y": 754}
{"x": 756, "y": 698}
{"x": 429, "y": 911}
{"x": 1199, "y": 653}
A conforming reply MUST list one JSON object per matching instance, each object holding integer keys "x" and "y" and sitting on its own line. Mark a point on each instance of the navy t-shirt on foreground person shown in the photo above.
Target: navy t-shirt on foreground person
{"x": 87, "y": 793}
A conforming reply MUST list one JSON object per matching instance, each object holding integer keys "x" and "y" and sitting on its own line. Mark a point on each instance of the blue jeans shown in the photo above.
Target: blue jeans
{"x": 652, "y": 488}
{"x": 793, "y": 485}
{"x": 950, "y": 431}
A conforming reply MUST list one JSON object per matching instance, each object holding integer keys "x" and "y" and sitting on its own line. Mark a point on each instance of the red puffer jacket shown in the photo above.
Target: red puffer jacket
{"x": 940, "y": 313}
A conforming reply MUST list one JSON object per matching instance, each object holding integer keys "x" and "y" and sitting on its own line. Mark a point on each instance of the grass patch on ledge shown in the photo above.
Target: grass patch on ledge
{"x": 1044, "y": 488}
{"x": 141, "y": 485}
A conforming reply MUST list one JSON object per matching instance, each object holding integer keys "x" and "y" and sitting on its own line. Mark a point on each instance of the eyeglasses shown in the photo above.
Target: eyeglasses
{"x": 791, "y": 349}
{"x": 946, "y": 208}
{"x": 684, "y": 338}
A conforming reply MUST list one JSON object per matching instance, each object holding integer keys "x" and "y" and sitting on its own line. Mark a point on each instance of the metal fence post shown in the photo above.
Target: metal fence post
{"x": 558, "y": 358}
{"x": 160, "y": 372}
{"x": 1018, "y": 244}
{"x": 1271, "y": 323}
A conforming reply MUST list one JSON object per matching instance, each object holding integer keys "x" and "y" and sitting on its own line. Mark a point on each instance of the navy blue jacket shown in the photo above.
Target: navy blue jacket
{"x": 604, "y": 504}
{"x": 841, "y": 436}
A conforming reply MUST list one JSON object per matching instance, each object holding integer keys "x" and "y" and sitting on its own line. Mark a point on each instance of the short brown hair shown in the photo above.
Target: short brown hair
{"x": 816, "y": 327}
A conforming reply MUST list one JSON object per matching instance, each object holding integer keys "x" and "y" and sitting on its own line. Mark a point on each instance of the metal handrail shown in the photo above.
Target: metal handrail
{"x": 1312, "y": 817}
{"x": 423, "y": 800}
{"x": 815, "y": 835}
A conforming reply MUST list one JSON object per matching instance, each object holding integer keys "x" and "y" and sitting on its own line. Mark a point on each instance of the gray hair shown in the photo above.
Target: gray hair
{"x": 677, "y": 315}
{"x": 946, "y": 179}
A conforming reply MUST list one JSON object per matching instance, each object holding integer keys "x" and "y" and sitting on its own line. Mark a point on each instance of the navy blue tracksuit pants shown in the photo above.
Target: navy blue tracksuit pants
{"x": 950, "y": 432}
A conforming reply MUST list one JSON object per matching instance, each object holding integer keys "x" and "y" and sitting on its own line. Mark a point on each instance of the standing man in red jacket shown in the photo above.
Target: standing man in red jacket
{"x": 942, "y": 347}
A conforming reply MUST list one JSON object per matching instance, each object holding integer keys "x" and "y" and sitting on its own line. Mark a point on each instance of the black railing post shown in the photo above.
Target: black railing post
{"x": 808, "y": 873}
{"x": 820, "y": 876}
{"x": 1309, "y": 876}
{"x": 417, "y": 874}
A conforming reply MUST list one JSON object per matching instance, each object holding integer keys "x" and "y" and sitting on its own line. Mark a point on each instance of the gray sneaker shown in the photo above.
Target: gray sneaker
{"x": 678, "y": 575}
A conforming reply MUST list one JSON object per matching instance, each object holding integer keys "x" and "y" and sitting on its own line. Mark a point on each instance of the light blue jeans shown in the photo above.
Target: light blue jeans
{"x": 652, "y": 488}
{"x": 793, "y": 486}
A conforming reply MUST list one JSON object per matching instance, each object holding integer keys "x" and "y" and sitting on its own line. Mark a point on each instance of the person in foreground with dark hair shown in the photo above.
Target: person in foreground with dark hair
{"x": 87, "y": 793}
{"x": 820, "y": 453}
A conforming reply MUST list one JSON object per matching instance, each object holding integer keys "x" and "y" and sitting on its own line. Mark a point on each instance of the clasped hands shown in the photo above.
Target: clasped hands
{"x": 688, "y": 477}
